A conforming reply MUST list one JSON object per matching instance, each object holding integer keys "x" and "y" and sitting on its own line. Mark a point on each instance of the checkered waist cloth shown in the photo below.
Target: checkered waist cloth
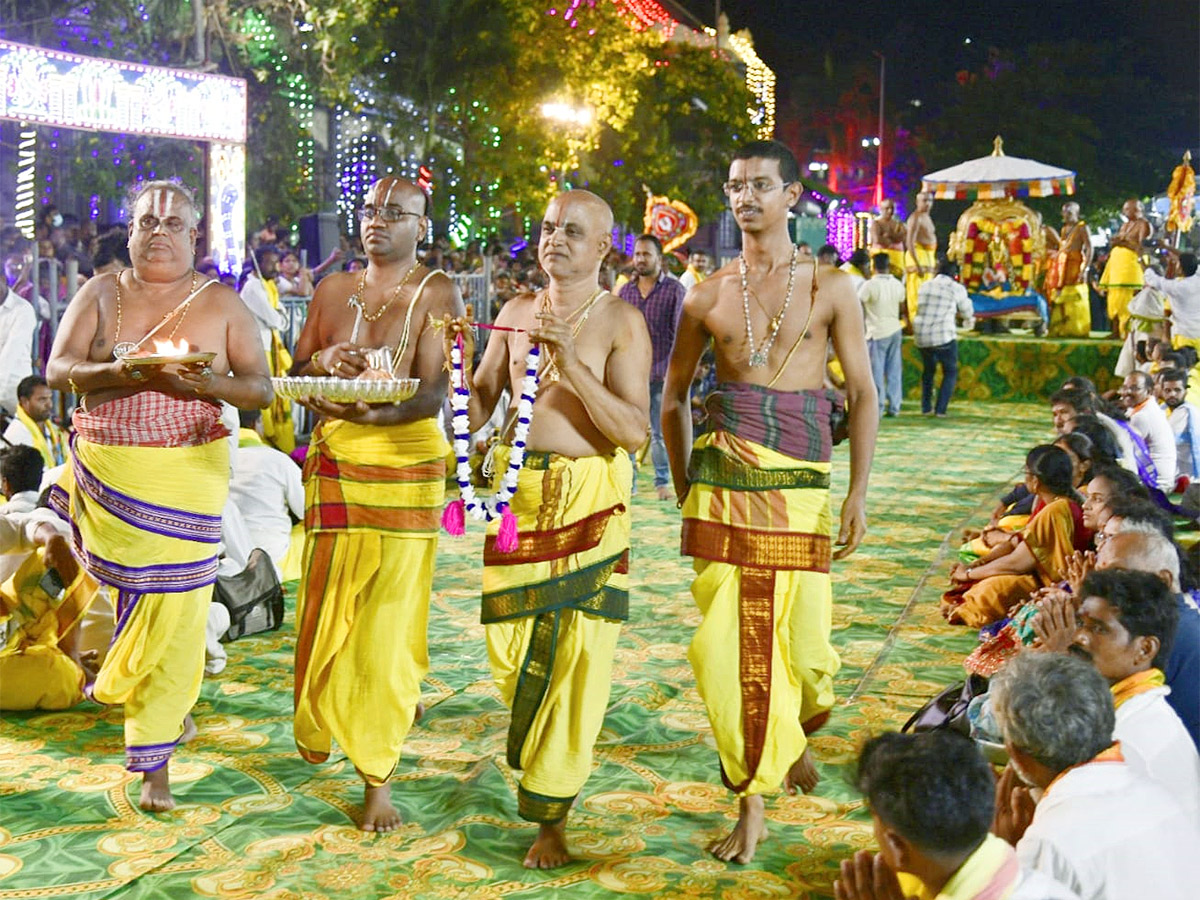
{"x": 150, "y": 419}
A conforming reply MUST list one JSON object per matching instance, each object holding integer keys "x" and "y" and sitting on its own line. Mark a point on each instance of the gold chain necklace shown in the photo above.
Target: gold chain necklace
{"x": 550, "y": 372}
{"x": 758, "y": 356}
{"x": 357, "y": 300}
{"x": 181, "y": 310}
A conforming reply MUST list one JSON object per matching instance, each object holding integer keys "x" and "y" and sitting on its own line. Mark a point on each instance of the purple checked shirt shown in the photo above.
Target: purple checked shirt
{"x": 662, "y": 308}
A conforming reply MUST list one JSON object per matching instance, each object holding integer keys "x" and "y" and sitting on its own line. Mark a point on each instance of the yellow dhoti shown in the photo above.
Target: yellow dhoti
{"x": 1122, "y": 279}
{"x": 552, "y": 611}
{"x": 757, "y": 521}
{"x": 147, "y": 521}
{"x": 373, "y": 498}
{"x": 1071, "y": 312}
{"x": 926, "y": 256}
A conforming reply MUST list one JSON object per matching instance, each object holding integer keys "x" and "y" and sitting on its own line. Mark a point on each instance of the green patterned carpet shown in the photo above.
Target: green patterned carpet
{"x": 256, "y": 821}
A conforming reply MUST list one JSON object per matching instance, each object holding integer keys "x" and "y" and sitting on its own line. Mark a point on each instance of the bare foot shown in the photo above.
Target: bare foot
{"x": 378, "y": 813}
{"x": 802, "y": 775}
{"x": 189, "y": 729}
{"x": 156, "y": 791}
{"x": 549, "y": 850}
{"x": 419, "y": 713}
{"x": 739, "y": 845}
{"x": 664, "y": 493}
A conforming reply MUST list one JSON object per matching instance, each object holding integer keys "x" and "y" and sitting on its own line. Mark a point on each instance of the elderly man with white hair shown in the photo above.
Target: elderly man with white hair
{"x": 1098, "y": 827}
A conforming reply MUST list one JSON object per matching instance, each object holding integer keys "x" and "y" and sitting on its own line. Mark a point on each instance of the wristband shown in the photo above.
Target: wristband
{"x": 316, "y": 365}
{"x": 71, "y": 381}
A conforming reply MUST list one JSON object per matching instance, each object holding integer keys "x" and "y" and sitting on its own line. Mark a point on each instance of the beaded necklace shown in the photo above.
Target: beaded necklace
{"x": 758, "y": 357}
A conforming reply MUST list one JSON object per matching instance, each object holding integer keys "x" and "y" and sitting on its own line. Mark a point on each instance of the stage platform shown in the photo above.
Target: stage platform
{"x": 1019, "y": 366}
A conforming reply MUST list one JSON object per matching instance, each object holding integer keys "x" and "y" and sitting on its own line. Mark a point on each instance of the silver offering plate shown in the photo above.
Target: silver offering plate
{"x": 347, "y": 390}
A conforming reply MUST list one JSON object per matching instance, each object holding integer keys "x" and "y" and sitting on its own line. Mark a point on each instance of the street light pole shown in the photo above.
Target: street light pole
{"x": 879, "y": 154}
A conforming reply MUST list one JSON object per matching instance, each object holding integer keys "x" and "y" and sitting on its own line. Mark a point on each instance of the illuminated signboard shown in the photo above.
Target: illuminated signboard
{"x": 53, "y": 88}
{"x": 227, "y": 206}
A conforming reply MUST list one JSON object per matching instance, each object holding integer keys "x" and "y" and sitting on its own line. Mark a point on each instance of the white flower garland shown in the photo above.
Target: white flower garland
{"x": 487, "y": 508}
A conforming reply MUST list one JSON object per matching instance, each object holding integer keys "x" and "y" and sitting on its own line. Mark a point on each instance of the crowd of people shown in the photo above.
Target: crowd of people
{"x": 1087, "y": 605}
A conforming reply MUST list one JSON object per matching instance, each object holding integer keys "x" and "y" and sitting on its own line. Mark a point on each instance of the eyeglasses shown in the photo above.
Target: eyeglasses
{"x": 757, "y": 186}
{"x": 387, "y": 213}
{"x": 173, "y": 224}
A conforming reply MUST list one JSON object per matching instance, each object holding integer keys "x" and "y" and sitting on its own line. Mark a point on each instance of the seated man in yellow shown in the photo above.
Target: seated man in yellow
{"x": 150, "y": 465}
{"x": 553, "y": 606}
{"x": 755, "y": 489}
{"x": 44, "y": 602}
{"x": 374, "y": 484}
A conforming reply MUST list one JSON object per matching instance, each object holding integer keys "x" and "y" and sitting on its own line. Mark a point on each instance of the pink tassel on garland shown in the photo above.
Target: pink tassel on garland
{"x": 454, "y": 518}
{"x": 506, "y": 537}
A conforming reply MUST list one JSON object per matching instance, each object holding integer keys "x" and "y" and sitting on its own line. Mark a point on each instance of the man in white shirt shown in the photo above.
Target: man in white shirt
{"x": 33, "y": 426}
{"x": 1148, "y": 420}
{"x": 1185, "y": 298}
{"x": 939, "y": 302}
{"x": 1127, "y": 622}
{"x": 1184, "y": 419}
{"x": 267, "y": 489}
{"x": 884, "y": 310}
{"x": 17, "y": 323}
{"x": 696, "y": 271}
{"x": 1100, "y": 827}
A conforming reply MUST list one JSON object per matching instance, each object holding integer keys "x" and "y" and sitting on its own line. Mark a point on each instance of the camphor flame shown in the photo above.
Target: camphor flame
{"x": 170, "y": 348}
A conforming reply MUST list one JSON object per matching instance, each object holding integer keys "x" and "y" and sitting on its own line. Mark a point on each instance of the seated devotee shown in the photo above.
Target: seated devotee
{"x": 1127, "y": 621}
{"x": 1104, "y": 447}
{"x": 1139, "y": 545}
{"x": 1069, "y": 402}
{"x": 43, "y": 607}
{"x": 985, "y": 591}
{"x": 1148, "y": 420}
{"x": 1184, "y": 419}
{"x": 33, "y": 426}
{"x": 266, "y": 488}
{"x": 932, "y": 801}
{"x": 1108, "y": 482}
{"x": 20, "y": 474}
{"x": 1100, "y": 827}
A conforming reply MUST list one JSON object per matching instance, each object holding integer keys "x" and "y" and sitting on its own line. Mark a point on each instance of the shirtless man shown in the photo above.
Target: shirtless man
{"x": 886, "y": 235}
{"x": 1123, "y": 276}
{"x": 553, "y": 607}
{"x": 374, "y": 486}
{"x": 920, "y": 245}
{"x": 154, "y": 434}
{"x": 755, "y": 489}
{"x": 1066, "y": 282}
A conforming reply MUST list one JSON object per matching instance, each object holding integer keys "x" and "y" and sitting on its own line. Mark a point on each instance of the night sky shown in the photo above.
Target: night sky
{"x": 924, "y": 40}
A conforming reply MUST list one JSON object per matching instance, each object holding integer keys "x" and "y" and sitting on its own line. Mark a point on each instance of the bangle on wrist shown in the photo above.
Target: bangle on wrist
{"x": 316, "y": 365}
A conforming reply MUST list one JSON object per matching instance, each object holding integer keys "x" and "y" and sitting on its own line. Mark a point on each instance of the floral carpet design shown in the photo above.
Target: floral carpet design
{"x": 254, "y": 820}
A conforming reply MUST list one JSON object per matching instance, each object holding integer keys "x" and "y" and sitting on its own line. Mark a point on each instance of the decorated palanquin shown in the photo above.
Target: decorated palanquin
{"x": 1000, "y": 248}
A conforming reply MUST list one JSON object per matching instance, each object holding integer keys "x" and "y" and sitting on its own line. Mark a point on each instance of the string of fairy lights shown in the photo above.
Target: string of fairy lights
{"x": 359, "y": 148}
{"x": 293, "y": 86}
